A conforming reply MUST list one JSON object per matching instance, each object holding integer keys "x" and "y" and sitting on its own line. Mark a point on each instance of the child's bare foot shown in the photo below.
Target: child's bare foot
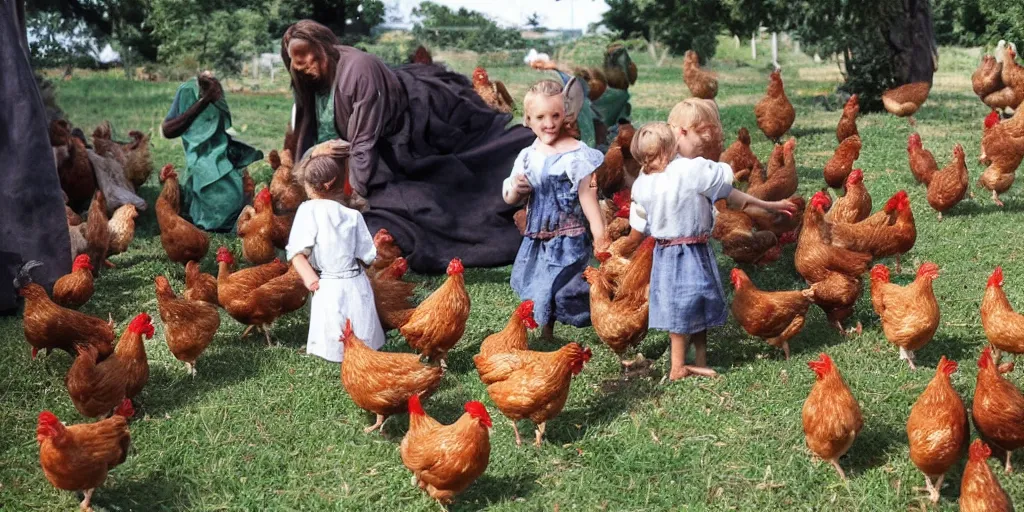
{"x": 678, "y": 373}
{"x": 701, "y": 371}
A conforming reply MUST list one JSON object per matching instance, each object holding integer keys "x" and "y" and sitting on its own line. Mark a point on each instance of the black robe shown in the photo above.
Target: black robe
{"x": 32, "y": 221}
{"x": 430, "y": 157}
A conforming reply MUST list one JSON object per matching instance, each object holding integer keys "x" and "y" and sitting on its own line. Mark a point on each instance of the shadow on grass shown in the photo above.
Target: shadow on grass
{"x": 489, "y": 490}
{"x": 871, "y": 449}
{"x": 806, "y": 131}
{"x": 499, "y": 275}
{"x": 171, "y": 387}
{"x": 156, "y": 491}
{"x": 615, "y": 397}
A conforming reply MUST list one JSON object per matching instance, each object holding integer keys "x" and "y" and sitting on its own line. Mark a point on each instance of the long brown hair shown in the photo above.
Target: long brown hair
{"x": 324, "y": 43}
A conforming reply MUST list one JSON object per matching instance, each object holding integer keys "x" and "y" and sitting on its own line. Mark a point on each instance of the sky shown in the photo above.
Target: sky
{"x": 563, "y": 14}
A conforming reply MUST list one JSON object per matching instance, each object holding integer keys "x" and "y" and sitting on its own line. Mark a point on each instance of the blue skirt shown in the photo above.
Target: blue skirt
{"x": 550, "y": 273}
{"x": 686, "y": 291}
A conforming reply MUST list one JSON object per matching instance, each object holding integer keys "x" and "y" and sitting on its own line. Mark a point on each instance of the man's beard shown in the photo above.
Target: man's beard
{"x": 319, "y": 84}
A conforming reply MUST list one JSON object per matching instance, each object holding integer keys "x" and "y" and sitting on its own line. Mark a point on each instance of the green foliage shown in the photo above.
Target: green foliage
{"x": 58, "y": 41}
{"x": 351, "y": 20}
{"x": 441, "y": 27}
{"x": 221, "y": 35}
{"x": 679, "y": 24}
{"x": 1005, "y": 20}
{"x": 959, "y": 22}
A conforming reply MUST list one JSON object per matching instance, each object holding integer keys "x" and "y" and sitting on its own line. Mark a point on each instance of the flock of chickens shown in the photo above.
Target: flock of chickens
{"x": 836, "y": 242}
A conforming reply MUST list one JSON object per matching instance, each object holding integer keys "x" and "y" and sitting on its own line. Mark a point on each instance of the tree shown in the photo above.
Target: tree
{"x": 351, "y": 20}
{"x": 882, "y": 43}
{"x": 959, "y": 22}
{"x": 123, "y": 23}
{"x": 675, "y": 25}
{"x": 440, "y": 26}
{"x": 1005, "y": 20}
{"x": 533, "y": 21}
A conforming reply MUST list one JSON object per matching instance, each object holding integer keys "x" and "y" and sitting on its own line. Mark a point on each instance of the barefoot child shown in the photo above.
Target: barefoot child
{"x": 333, "y": 240}
{"x": 672, "y": 201}
{"x": 555, "y": 176}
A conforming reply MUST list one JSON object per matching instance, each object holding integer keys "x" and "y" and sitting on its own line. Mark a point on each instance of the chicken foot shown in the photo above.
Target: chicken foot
{"x": 85, "y": 502}
{"x": 933, "y": 489}
{"x": 378, "y": 425}
{"x": 995, "y": 199}
{"x": 909, "y": 356}
{"x": 191, "y": 367}
{"x": 540, "y": 433}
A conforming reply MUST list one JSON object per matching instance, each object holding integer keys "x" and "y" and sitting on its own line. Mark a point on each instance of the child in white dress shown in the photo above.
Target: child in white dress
{"x": 330, "y": 245}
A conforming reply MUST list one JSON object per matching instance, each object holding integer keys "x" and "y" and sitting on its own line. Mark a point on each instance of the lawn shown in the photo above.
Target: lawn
{"x": 270, "y": 429}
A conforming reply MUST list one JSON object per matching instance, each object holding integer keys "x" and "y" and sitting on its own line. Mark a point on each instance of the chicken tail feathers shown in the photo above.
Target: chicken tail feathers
{"x": 24, "y": 274}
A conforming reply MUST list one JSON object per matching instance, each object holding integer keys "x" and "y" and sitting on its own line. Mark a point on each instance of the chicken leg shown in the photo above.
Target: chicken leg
{"x": 266, "y": 332}
{"x": 375, "y": 426}
{"x": 515, "y": 428}
{"x": 540, "y": 433}
{"x": 85, "y": 502}
{"x": 933, "y": 490}
{"x": 1009, "y": 467}
{"x": 909, "y": 356}
{"x": 191, "y": 367}
{"x": 247, "y": 330}
{"x": 995, "y": 198}
{"x": 835, "y": 464}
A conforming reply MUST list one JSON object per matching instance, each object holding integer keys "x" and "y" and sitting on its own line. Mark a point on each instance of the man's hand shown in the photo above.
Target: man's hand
{"x": 521, "y": 185}
{"x": 210, "y": 88}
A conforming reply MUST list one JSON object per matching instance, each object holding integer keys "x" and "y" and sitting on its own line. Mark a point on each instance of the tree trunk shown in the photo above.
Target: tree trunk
{"x": 912, "y": 41}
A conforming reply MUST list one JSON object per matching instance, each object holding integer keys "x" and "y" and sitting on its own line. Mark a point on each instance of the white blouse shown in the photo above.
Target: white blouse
{"x": 333, "y": 237}
{"x": 678, "y": 202}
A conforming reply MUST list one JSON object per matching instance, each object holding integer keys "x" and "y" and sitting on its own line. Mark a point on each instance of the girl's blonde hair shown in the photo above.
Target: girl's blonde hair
{"x": 654, "y": 145}
{"x": 698, "y": 115}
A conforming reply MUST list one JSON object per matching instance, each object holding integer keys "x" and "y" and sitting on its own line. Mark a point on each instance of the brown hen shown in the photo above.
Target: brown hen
{"x": 189, "y": 325}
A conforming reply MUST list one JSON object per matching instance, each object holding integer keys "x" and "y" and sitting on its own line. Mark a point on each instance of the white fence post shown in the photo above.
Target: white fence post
{"x": 753, "y": 45}
{"x": 775, "y": 49}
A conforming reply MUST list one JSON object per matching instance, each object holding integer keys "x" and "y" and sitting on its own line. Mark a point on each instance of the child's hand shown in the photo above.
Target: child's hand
{"x": 521, "y": 185}
{"x": 785, "y": 206}
{"x": 601, "y": 244}
{"x": 313, "y": 285}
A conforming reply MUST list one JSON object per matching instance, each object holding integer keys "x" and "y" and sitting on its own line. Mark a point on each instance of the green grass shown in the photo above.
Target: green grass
{"x": 267, "y": 428}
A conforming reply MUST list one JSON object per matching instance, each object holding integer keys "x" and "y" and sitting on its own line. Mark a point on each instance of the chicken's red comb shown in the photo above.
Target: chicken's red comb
{"x": 142, "y": 325}
{"x": 979, "y": 451}
{"x": 347, "y": 189}
{"x": 929, "y": 270}
{"x": 415, "y": 407}
{"x": 225, "y": 256}
{"x": 621, "y": 198}
{"x": 914, "y": 141}
{"x": 525, "y": 314}
{"x": 821, "y": 200}
{"x": 855, "y": 177}
{"x": 946, "y": 366}
{"x": 880, "y": 273}
{"x": 991, "y": 119}
{"x": 49, "y": 426}
{"x": 399, "y": 267}
{"x": 125, "y": 410}
{"x": 347, "y": 334}
{"x": 996, "y": 279}
{"x": 82, "y": 262}
{"x": 455, "y": 267}
{"x": 822, "y": 366}
{"x": 603, "y": 256}
{"x": 263, "y": 195}
{"x": 477, "y": 410}
{"x": 894, "y": 202}
{"x": 985, "y": 361}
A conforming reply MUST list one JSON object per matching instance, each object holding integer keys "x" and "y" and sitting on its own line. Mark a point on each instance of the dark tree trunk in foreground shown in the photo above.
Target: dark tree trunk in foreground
{"x": 912, "y": 41}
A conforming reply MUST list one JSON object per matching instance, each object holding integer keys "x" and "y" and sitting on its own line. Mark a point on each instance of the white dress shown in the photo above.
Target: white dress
{"x": 336, "y": 240}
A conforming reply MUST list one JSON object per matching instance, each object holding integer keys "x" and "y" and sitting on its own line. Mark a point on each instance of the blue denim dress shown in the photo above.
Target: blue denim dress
{"x": 556, "y": 247}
